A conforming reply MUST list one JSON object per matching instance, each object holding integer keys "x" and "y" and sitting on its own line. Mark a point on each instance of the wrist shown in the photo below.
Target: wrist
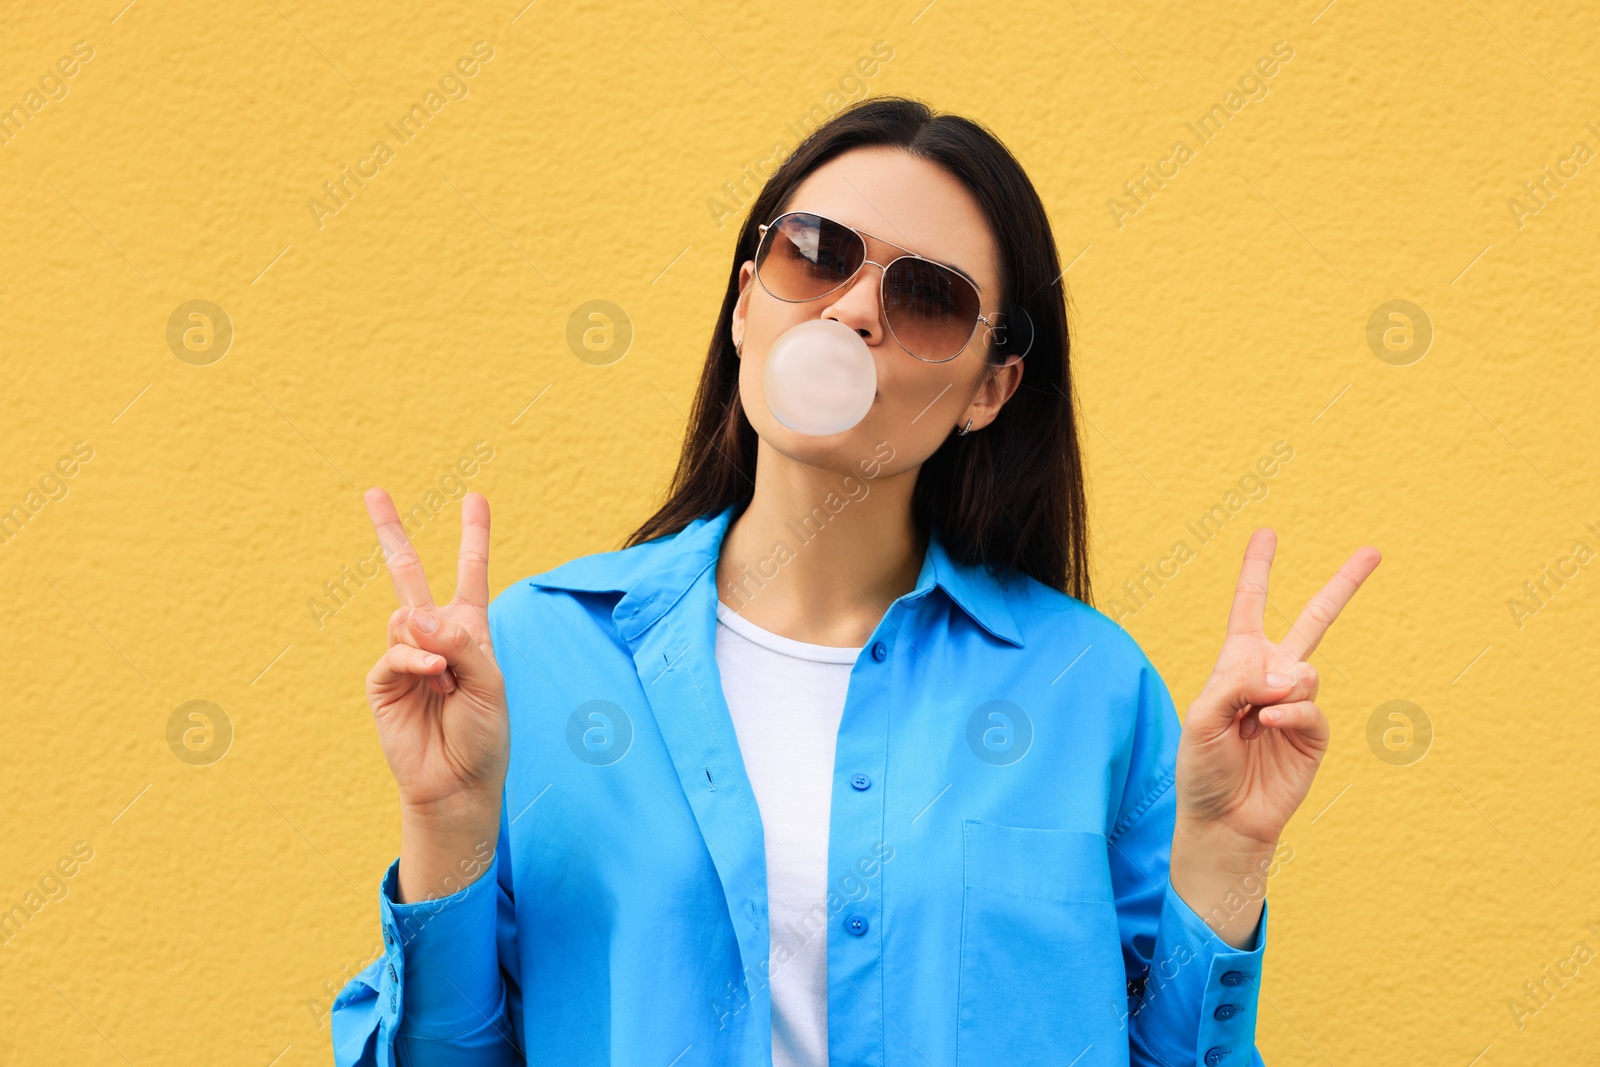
{"x": 1222, "y": 878}
{"x": 1220, "y": 844}
{"x": 443, "y": 853}
{"x": 463, "y": 814}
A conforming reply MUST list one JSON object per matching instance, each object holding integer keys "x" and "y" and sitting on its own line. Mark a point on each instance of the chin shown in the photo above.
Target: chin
{"x": 835, "y": 450}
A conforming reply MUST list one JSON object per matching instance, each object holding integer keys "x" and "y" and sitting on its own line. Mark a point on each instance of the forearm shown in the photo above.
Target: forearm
{"x": 1222, "y": 878}
{"x": 442, "y": 852}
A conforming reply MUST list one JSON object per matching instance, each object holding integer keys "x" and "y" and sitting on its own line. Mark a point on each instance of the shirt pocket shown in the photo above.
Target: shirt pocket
{"x": 1041, "y": 970}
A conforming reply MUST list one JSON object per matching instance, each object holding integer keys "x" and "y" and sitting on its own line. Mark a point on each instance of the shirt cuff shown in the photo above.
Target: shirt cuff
{"x": 448, "y": 947}
{"x": 1200, "y": 994}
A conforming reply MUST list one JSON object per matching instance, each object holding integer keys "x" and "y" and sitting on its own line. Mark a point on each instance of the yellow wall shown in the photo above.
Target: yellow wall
{"x": 222, "y": 905}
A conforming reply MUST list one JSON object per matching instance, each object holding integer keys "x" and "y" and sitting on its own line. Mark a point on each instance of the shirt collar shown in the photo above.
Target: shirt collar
{"x": 653, "y": 576}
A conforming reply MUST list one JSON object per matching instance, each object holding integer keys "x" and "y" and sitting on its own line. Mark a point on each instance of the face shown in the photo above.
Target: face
{"x": 921, "y": 208}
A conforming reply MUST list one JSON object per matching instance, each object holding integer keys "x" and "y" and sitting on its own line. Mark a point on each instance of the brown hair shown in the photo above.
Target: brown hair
{"x": 1011, "y": 496}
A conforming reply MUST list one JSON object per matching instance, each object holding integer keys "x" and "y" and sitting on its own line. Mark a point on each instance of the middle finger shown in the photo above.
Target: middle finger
{"x": 1322, "y": 609}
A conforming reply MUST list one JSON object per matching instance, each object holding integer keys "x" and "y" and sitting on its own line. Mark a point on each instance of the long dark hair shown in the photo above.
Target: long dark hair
{"x": 1011, "y": 496}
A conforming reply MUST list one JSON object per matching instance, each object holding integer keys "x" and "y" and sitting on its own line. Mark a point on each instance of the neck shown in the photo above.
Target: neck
{"x": 820, "y": 553}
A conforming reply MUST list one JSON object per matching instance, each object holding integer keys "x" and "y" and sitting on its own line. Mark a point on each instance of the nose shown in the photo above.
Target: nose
{"x": 859, "y": 305}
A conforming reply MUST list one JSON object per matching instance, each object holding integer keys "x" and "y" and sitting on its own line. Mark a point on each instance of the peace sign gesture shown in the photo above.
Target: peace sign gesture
{"x": 1254, "y": 737}
{"x": 438, "y": 698}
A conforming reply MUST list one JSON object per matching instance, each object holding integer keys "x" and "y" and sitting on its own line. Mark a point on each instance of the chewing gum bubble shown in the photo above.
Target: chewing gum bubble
{"x": 820, "y": 378}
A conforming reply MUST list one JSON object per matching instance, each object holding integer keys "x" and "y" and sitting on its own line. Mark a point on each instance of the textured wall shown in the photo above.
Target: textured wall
{"x": 1393, "y": 153}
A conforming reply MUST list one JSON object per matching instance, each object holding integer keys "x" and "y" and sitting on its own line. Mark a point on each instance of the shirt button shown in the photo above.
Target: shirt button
{"x": 392, "y": 976}
{"x": 1226, "y": 1011}
{"x": 880, "y": 651}
{"x": 388, "y": 936}
{"x": 1215, "y": 1056}
{"x": 856, "y": 924}
{"x": 393, "y": 1004}
{"x": 1233, "y": 978}
{"x": 860, "y": 781}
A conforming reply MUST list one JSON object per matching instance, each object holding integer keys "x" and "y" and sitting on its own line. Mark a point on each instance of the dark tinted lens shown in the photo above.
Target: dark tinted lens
{"x": 806, "y": 256}
{"x": 931, "y": 310}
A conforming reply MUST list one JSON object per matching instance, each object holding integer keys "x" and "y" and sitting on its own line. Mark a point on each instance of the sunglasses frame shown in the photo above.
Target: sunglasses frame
{"x": 992, "y": 321}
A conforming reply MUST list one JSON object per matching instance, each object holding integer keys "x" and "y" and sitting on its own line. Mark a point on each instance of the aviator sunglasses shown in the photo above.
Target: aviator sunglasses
{"x": 932, "y": 310}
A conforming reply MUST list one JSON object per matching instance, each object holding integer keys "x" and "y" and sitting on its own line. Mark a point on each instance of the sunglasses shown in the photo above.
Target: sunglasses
{"x": 932, "y": 311}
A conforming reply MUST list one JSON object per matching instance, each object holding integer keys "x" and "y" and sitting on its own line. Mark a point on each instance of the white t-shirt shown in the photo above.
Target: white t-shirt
{"x": 786, "y": 698}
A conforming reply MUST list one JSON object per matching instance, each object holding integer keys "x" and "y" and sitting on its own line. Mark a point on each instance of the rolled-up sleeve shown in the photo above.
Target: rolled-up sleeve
{"x": 440, "y": 992}
{"x": 1192, "y": 997}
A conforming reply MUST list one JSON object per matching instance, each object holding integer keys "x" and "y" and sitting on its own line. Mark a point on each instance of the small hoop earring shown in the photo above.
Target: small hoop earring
{"x": 965, "y": 430}
{"x": 738, "y": 347}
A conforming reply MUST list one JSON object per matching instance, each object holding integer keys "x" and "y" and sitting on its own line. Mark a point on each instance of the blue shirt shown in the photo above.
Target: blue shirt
{"x": 1002, "y": 816}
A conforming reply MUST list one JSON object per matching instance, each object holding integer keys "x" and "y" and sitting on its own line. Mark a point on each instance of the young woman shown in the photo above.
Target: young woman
{"x": 833, "y": 762}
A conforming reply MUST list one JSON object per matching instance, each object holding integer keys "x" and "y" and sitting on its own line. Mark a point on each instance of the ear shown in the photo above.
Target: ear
{"x": 746, "y": 273}
{"x": 998, "y": 384}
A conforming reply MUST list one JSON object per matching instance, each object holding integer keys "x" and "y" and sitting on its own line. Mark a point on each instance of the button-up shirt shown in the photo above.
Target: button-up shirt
{"x": 998, "y": 845}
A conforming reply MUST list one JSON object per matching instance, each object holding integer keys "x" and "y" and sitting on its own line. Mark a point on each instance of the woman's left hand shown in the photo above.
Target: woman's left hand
{"x": 1254, "y": 737}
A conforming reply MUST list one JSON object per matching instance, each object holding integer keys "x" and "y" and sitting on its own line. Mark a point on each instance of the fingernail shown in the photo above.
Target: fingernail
{"x": 1277, "y": 681}
{"x": 1272, "y": 714}
{"x": 427, "y": 623}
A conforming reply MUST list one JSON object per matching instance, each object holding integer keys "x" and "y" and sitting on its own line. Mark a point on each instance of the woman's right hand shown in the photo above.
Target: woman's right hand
{"x": 438, "y": 699}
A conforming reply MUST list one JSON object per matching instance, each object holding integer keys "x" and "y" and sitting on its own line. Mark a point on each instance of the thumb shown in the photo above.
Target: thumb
{"x": 1245, "y": 684}
{"x": 433, "y": 633}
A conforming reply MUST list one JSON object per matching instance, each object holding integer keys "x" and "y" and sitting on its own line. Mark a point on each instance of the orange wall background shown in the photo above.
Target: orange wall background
{"x": 1374, "y": 278}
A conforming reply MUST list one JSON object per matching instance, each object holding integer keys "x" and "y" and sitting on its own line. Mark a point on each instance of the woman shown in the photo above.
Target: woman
{"x": 833, "y": 762}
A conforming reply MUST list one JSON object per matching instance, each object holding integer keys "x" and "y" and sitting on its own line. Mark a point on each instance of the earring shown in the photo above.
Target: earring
{"x": 738, "y": 347}
{"x": 966, "y": 430}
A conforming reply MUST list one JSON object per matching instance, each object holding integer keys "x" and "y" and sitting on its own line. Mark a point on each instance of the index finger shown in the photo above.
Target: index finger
{"x": 1250, "y": 594}
{"x": 1322, "y": 609}
{"x": 405, "y": 566}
